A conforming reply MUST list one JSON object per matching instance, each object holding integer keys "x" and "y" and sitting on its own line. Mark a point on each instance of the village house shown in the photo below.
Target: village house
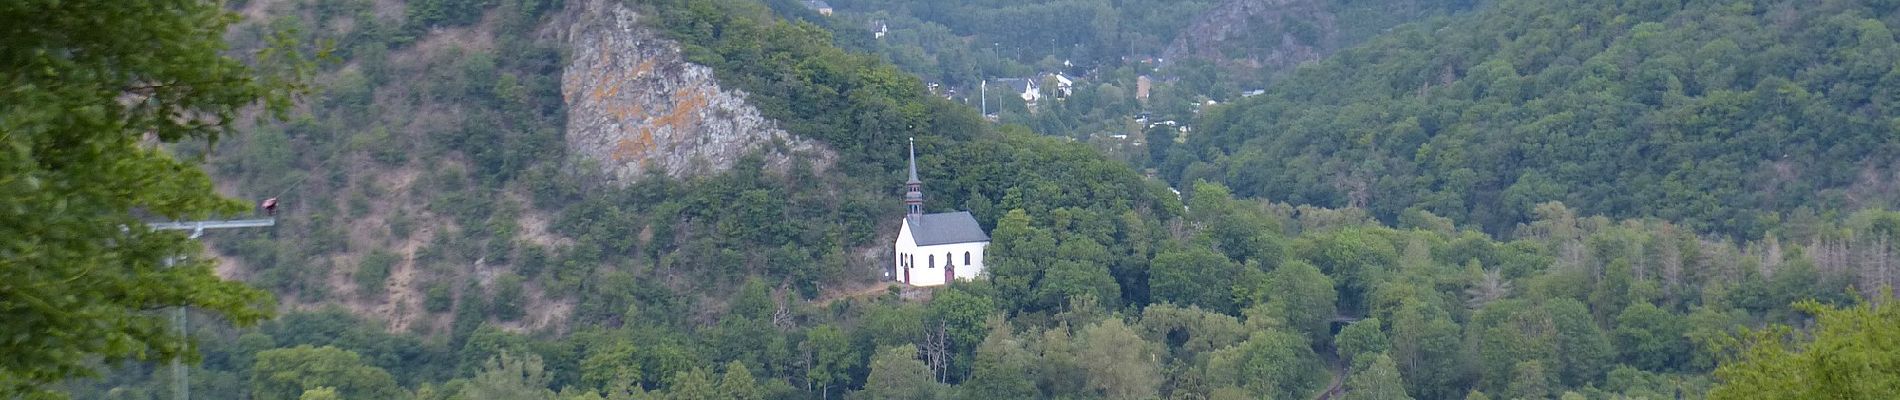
{"x": 1026, "y": 88}
{"x": 820, "y": 6}
{"x": 1065, "y": 87}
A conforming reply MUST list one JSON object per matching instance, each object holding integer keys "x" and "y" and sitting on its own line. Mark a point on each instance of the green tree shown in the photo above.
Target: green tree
{"x": 1270, "y": 363}
{"x": 470, "y": 312}
{"x": 1651, "y": 338}
{"x": 693, "y": 384}
{"x": 1016, "y": 246}
{"x": 1612, "y": 292}
{"x": 287, "y": 373}
{"x": 1303, "y": 297}
{"x": 1708, "y": 330}
{"x": 373, "y": 271}
{"x": 1356, "y": 257}
{"x": 1234, "y": 229}
{"x": 1505, "y": 334}
{"x": 1361, "y": 337}
{"x": 896, "y": 374}
{"x": 830, "y": 357}
{"x": 608, "y": 361}
{"x": 1191, "y": 331}
{"x": 738, "y": 384}
{"x": 1193, "y": 277}
{"x": 1067, "y": 280}
{"x": 1851, "y": 353}
{"x": 509, "y": 301}
{"x": 892, "y": 324}
{"x": 83, "y": 86}
{"x": 320, "y": 393}
{"x": 1001, "y": 369}
{"x": 508, "y": 377}
{"x": 1583, "y": 352}
{"x": 1530, "y": 381}
{"x": 1059, "y": 371}
{"x": 750, "y": 341}
{"x": 1376, "y": 379}
{"x": 487, "y": 342}
{"x": 961, "y": 314}
{"x": 1425, "y": 345}
{"x": 754, "y": 300}
{"x": 1120, "y": 364}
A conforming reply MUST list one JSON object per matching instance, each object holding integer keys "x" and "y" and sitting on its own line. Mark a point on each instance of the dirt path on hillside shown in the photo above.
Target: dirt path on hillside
{"x": 850, "y": 292}
{"x": 1337, "y": 368}
{"x": 1338, "y": 386}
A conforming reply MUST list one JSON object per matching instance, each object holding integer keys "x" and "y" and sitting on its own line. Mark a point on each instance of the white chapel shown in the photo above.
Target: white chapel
{"x": 933, "y": 249}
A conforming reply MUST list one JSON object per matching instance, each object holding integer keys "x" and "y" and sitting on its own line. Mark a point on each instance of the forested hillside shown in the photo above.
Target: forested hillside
{"x": 959, "y": 42}
{"x": 956, "y": 41}
{"x": 427, "y": 185}
{"x": 427, "y": 172}
{"x": 1733, "y": 117}
{"x": 1160, "y": 60}
{"x": 1186, "y": 52}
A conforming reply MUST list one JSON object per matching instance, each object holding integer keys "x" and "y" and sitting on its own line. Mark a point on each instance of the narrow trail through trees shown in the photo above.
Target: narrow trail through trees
{"x": 1338, "y": 364}
{"x": 1338, "y": 385}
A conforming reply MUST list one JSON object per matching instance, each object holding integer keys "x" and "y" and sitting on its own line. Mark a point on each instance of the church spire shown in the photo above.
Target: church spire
{"x": 913, "y": 190}
{"x": 913, "y": 162}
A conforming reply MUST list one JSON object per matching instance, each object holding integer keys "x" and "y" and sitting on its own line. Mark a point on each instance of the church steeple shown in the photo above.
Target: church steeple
{"x": 913, "y": 190}
{"x": 913, "y": 163}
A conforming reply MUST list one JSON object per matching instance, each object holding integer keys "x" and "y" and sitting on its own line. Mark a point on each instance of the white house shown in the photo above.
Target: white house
{"x": 1027, "y": 88}
{"x": 820, "y": 6}
{"x": 1065, "y": 87}
{"x": 932, "y": 249}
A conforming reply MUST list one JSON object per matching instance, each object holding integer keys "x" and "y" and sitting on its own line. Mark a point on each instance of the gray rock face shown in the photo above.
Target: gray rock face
{"x": 1257, "y": 26}
{"x": 634, "y": 103}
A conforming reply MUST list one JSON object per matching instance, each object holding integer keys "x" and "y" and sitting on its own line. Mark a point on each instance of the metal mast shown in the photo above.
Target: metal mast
{"x": 181, "y": 385}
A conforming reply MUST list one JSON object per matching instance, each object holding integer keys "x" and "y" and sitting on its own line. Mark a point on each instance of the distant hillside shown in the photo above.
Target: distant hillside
{"x": 1246, "y": 34}
{"x": 451, "y": 164}
{"x": 1725, "y": 116}
{"x": 1188, "y": 51}
{"x": 1269, "y": 37}
{"x": 456, "y": 169}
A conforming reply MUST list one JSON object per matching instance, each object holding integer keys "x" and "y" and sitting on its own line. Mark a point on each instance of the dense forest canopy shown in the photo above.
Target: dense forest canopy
{"x": 1732, "y": 117}
{"x": 1102, "y": 284}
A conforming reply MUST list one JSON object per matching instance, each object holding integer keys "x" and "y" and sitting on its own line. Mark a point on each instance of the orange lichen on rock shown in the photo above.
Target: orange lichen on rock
{"x": 632, "y": 111}
{"x": 642, "y": 69}
{"x": 686, "y": 105}
{"x": 634, "y": 148}
{"x": 609, "y": 86}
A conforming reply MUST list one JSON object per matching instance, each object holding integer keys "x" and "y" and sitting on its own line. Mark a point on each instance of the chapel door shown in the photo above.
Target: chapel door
{"x": 949, "y": 272}
{"x": 906, "y": 275}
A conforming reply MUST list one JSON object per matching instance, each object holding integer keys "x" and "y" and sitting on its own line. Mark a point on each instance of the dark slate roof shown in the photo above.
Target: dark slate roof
{"x": 1020, "y": 85}
{"x": 947, "y": 228}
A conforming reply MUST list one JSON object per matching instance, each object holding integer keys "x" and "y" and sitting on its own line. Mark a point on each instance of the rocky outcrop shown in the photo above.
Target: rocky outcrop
{"x": 634, "y": 104}
{"x": 1259, "y": 34}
